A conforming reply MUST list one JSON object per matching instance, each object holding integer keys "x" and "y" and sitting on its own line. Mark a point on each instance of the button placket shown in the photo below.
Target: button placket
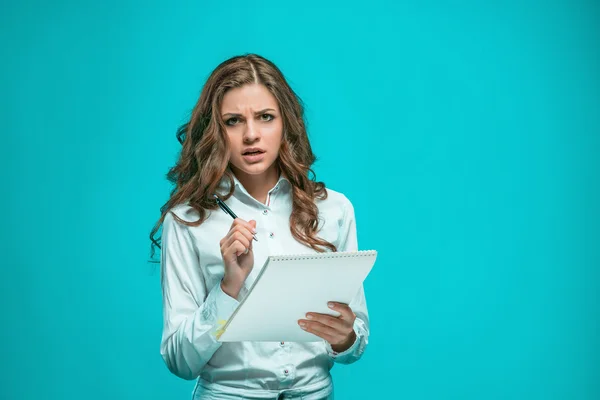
{"x": 270, "y": 194}
{"x": 289, "y": 371}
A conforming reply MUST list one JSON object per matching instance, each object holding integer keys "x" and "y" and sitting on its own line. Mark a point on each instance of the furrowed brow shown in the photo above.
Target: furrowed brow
{"x": 256, "y": 113}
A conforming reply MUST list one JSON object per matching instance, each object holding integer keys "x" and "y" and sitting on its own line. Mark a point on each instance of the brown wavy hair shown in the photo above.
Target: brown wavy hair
{"x": 204, "y": 157}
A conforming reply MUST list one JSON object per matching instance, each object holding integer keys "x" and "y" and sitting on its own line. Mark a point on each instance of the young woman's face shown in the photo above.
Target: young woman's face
{"x": 254, "y": 127}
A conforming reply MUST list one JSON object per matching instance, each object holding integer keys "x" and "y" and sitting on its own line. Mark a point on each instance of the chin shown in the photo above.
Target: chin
{"x": 253, "y": 169}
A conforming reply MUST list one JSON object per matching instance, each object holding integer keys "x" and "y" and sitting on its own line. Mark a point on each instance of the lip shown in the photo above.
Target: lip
{"x": 253, "y": 158}
{"x": 251, "y": 149}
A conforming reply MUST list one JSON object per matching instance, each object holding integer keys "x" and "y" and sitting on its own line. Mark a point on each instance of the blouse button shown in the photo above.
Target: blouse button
{"x": 286, "y": 372}
{"x": 265, "y": 211}
{"x": 271, "y": 235}
{"x": 281, "y": 343}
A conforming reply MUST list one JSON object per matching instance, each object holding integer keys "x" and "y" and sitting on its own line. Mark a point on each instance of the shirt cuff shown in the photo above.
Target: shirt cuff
{"x": 221, "y": 306}
{"x": 224, "y": 303}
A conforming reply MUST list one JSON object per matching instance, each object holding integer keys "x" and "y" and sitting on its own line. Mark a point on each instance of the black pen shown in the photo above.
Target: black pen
{"x": 228, "y": 211}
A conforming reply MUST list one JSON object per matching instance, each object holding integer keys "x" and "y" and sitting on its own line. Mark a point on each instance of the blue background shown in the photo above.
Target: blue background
{"x": 465, "y": 133}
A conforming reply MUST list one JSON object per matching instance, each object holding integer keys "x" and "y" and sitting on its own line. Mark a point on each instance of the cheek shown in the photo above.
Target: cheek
{"x": 234, "y": 146}
{"x": 275, "y": 134}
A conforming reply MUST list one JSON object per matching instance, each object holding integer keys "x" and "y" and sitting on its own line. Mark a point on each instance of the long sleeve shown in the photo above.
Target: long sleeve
{"x": 348, "y": 242}
{"x": 192, "y": 316}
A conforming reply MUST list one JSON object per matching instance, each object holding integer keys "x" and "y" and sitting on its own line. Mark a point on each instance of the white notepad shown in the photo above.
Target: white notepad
{"x": 289, "y": 286}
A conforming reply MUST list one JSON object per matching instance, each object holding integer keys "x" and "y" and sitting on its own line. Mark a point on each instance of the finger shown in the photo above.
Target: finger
{"x": 235, "y": 250}
{"x": 343, "y": 309}
{"x": 239, "y": 229}
{"x": 245, "y": 246}
{"x": 319, "y": 334}
{"x": 324, "y": 336}
{"x": 333, "y": 322}
{"x": 322, "y": 331}
{"x": 253, "y": 231}
{"x": 238, "y": 222}
{"x": 237, "y": 237}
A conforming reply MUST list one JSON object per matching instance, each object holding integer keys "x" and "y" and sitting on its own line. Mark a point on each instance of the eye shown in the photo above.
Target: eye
{"x": 231, "y": 121}
{"x": 269, "y": 117}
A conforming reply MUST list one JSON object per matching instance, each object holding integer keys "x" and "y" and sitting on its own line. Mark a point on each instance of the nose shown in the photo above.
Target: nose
{"x": 252, "y": 132}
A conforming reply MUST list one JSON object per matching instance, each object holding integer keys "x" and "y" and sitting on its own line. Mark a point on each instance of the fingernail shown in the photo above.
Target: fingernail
{"x": 253, "y": 230}
{"x": 330, "y": 305}
{"x": 302, "y": 324}
{"x": 309, "y": 316}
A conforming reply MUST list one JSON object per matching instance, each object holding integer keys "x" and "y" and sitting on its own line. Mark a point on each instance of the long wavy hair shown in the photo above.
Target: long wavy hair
{"x": 204, "y": 157}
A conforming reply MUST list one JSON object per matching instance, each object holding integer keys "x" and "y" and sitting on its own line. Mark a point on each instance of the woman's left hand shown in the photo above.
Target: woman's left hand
{"x": 338, "y": 331}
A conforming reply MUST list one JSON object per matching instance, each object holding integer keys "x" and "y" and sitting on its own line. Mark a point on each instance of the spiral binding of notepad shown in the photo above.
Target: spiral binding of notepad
{"x": 360, "y": 253}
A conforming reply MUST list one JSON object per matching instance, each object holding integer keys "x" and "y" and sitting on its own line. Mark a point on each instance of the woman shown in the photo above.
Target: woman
{"x": 246, "y": 141}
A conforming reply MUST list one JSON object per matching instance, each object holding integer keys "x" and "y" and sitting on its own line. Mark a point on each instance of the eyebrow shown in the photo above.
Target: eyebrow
{"x": 256, "y": 113}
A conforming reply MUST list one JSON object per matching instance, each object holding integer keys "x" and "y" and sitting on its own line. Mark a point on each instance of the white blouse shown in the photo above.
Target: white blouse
{"x": 195, "y": 308}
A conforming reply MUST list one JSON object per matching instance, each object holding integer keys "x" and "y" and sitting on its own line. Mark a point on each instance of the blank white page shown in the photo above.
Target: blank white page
{"x": 288, "y": 287}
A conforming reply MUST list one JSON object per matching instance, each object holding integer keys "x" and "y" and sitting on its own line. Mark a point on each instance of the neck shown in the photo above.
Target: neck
{"x": 258, "y": 186}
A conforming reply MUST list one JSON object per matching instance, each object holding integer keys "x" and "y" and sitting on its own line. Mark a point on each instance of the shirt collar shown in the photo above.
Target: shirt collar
{"x": 239, "y": 188}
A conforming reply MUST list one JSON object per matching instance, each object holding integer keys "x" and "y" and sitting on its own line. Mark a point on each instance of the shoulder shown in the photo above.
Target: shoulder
{"x": 337, "y": 199}
{"x": 337, "y": 206}
{"x": 184, "y": 211}
{"x": 335, "y": 213}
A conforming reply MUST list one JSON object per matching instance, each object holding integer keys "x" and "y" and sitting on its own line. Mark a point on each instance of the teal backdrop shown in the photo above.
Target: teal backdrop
{"x": 467, "y": 135}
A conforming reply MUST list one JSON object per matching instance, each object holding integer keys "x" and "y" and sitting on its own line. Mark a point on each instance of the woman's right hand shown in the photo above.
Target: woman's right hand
{"x": 236, "y": 250}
